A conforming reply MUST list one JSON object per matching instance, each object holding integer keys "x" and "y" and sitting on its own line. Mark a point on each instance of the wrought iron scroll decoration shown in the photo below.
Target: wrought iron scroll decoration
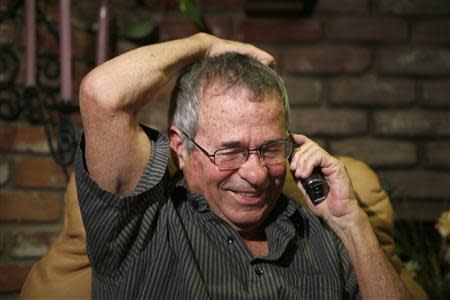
{"x": 38, "y": 104}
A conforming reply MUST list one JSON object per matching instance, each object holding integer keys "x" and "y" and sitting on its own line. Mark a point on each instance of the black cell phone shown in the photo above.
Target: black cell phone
{"x": 316, "y": 186}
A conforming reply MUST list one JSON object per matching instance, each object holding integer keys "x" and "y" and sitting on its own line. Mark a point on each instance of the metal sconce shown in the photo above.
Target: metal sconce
{"x": 39, "y": 103}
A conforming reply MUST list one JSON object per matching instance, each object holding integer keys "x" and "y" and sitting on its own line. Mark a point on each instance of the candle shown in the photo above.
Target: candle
{"x": 102, "y": 35}
{"x": 30, "y": 25}
{"x": 65, "y": 50}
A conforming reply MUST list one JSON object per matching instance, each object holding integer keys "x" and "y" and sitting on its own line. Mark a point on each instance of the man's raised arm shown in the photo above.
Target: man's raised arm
{"x": 111, "y": 96}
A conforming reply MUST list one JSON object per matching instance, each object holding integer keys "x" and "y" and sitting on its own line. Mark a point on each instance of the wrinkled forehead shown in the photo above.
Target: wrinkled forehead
{"x": 231, "y": 104}
{"x": 213, "y": 92}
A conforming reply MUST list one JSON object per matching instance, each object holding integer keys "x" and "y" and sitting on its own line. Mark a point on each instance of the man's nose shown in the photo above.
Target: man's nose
{"x": 254, "y": 170}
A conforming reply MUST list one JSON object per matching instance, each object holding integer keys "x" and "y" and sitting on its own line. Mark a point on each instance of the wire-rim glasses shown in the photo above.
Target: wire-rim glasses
{"x": 231, "y": 158}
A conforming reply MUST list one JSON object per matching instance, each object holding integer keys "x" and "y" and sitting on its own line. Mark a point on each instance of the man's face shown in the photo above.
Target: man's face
{"x": 245, "y": 196}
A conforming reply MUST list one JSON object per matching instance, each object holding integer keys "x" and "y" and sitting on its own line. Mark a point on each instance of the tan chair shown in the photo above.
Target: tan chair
{"x": 65, "y": 272}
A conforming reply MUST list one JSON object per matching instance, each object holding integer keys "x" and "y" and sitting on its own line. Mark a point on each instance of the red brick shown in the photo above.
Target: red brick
{"x": 372, "y": 91}
{"x": 414, "y": 7}
{"x": 38, "y": 173}
{"x": 343, "y": 6}
{"x": 367, "y": 29}
{"x": 436, "y": 93}
{"x": 437, "y": 154}
{"x": 327, "y": 59}
{"x": 18, "y": 206}
{"x": 415, "y": 61}
{"x": 280, "y": 30}
{"x": 412, "y": 123}
{"x": 30, "y": 244}
{"x": 12, "y": 277}
{"x": 377, "y": 152}
{"x": 303, "y": 91}
{"x": 434, "y": 31}
{"x": 418, "y": 184}
{"x": 22, "y": 137}
{"x": 179, "y": 27}
{"x": 323, "y": 122}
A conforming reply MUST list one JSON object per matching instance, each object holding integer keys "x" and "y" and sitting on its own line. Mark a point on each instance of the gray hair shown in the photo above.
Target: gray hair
{"x": 229, "y": 71}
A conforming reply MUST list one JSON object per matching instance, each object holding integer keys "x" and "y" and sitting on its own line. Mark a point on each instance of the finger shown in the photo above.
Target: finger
{"x": 300, "y": 139}
{"x": 299, "y": 152}
{"x": 311, "y": 160}
{"x": 307, "y": 163}
{"x": 223, "y": 46}
{"x": 261, "y": 55}
{"x": 298, "y": 163}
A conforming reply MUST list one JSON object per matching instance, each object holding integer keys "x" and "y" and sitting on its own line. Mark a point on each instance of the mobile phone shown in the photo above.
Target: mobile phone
{"x": 316, "y": 186}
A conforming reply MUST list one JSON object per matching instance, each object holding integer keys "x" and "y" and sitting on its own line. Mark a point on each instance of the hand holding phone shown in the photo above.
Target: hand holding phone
{"x": 315, "y": 185}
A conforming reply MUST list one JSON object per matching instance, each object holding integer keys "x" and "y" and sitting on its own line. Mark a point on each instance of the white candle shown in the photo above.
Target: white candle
{"x": 65, "y": 50}
{"x": 103, "y": 33}
{"x": 30, "y": 25}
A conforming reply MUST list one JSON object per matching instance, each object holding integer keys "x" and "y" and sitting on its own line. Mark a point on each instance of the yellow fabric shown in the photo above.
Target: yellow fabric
{"x": 64, "y": 271}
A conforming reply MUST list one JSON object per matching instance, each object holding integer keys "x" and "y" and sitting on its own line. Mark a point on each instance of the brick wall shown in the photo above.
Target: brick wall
{"x": 366, "y": 78}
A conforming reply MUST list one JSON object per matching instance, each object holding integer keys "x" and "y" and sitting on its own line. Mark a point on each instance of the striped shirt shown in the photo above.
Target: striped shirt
{"x": 165, "y": 243}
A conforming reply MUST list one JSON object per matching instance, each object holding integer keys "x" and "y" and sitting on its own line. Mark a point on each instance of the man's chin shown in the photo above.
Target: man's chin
{"x": 248, "y": 220}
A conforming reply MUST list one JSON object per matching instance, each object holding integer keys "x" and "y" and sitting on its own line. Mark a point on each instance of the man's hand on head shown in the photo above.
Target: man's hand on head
{"x": 220, "y": 46}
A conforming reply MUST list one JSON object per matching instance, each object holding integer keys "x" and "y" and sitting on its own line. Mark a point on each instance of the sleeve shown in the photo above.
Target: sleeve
{"x": 118, "y": 228}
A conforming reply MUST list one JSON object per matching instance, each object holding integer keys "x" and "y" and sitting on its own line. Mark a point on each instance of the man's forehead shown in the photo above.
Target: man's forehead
{"x": 237, "y": 109}
{"x": 215, "y": 95}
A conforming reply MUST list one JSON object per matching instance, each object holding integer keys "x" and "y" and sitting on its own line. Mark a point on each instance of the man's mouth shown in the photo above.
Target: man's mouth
{"x": 248, "y": 193}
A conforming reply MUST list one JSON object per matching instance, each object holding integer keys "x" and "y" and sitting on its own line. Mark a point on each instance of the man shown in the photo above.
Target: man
{"x": 222, "y": 230}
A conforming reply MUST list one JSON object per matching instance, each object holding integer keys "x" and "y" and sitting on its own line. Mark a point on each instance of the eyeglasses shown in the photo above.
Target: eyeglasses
{"x": 231, "y": 158}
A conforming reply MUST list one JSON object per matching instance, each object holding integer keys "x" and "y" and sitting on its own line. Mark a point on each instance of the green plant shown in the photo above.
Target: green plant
{"x": 141, "y": 29}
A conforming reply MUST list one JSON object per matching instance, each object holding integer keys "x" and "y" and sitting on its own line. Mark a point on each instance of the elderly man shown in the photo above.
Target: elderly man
{"x": 221, "y": 229}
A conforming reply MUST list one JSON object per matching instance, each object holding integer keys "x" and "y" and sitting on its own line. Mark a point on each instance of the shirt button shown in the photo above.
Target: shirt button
{"x": 259, "y": 271}
{"x": 230, "y": 240}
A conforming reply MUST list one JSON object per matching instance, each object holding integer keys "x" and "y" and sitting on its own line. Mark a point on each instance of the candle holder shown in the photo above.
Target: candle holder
{"x": 39, "y": 104}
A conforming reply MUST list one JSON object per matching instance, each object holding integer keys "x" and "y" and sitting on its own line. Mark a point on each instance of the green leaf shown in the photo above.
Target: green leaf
{"x": 189, "y": 9}
{"x": 137, "y": 30}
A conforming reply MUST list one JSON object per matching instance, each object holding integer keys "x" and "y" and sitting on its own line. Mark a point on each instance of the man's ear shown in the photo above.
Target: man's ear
{"x": 176, "y": 146}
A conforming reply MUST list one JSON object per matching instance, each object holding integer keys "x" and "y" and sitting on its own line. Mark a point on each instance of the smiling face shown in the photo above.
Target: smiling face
{"x": 243, "y": 197}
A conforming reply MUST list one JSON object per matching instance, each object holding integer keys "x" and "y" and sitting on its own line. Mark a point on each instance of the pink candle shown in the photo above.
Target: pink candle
{"x": 30, "y": 25}
{"x": 65, "y": 50}
{"x": 103, "y": 33}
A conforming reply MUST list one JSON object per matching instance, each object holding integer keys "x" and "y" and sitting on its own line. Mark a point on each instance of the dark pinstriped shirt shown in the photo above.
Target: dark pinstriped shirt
{"x": 164, "y": 243}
